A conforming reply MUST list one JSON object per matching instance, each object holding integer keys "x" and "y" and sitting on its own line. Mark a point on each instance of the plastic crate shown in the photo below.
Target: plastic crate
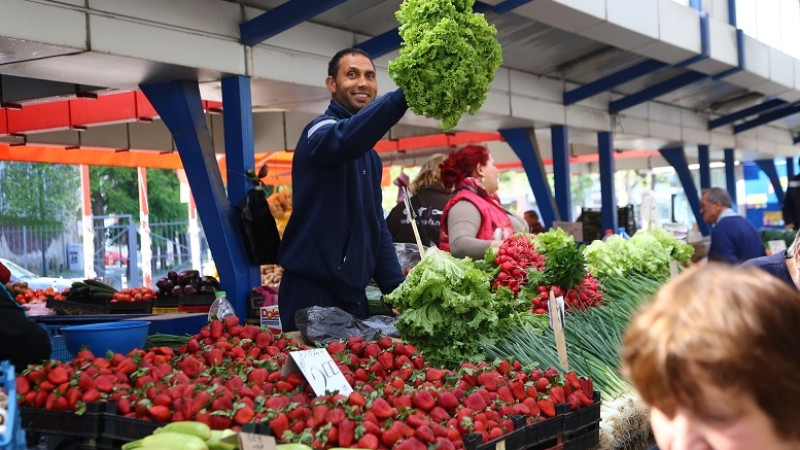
{"x": 586, "y": 439}
{"x": 14, "y": 436}
{"x": 576, "y": 421}
{"x": 88, "y": 425}
{"x": 540, "y": 435}
{"x": 126, "y": 429}
{"x": 160, "y": 310}
{"x": 59, "y": 350}
{"x": 71, "y": 308}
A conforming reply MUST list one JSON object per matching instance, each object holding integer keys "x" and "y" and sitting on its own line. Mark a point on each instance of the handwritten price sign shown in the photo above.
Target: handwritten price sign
{"x": 319, "y": 369}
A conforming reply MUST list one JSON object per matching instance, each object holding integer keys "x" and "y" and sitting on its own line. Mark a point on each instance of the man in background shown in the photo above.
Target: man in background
{"x": 791, "y": 204}
{"x": 734, "y": 239}
{"x": 534, "y": 226}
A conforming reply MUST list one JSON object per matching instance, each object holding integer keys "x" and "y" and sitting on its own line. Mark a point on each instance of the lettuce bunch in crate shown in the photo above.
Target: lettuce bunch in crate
{"x": 447, "y": 60}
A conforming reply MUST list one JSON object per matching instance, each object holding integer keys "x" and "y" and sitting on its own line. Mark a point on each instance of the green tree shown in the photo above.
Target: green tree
{"x": 39, "y": 192}
{"x": 115, "y": 190}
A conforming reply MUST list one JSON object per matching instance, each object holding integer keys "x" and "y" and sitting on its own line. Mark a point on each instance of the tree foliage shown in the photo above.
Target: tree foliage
{"x": 39, "y": 192}
{"x": 115, "y": 190}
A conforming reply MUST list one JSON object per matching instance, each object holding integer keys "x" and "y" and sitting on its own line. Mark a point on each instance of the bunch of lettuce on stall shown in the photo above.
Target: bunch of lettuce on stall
{"x": 447, "y": 60}
{"x": 445, "y": 306}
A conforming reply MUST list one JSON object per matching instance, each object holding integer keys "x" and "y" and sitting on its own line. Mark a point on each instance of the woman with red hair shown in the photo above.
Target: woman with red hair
{"x": 473, "y": 219}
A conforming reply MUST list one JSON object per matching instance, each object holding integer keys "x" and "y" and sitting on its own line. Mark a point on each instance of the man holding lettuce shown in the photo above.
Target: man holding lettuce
{"x": 336, "y": 240}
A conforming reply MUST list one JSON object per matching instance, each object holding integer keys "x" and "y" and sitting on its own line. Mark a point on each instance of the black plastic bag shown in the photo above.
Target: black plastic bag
{"x": 259, "y": 229}
{"x": 323, "y": 325}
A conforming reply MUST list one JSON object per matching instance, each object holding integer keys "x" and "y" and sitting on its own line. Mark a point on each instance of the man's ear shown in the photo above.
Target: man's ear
{"x": 330, "y": 82}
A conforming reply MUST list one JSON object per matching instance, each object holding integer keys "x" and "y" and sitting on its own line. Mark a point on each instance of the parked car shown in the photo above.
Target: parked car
{"x": 19, "y": 273}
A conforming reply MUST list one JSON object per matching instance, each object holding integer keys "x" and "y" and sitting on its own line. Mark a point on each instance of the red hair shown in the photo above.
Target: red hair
{"x": 462, "y": 164}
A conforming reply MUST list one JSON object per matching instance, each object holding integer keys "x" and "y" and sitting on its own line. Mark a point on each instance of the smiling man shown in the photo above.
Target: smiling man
{"x": 336, "y": 240}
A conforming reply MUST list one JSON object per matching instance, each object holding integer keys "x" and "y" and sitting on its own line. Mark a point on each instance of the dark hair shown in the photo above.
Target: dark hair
{"x": 717, "y": 195}
{"x": 462, "y": 164}
{"x": 531, "y": 213}
{"x": 333, "y": 65}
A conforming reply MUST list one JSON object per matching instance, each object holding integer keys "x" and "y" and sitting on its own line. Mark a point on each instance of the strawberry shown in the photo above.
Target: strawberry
{"x": 336, "y": 347}
{"x": 424, "y": 400}
{"x": 385, "y": 342}
{"x": 439, "y": 415}
{"x": 347, "y": 429}
{"x": 215, "y": 329}
{"x": 425, "y": 434}
{"x": 517, "y": 389}
{"x": 411, "y": 444}
{"x": 392, "y": 435}
{"x": 533, "y": 407}
{"x": 574, "y": 403}
{"x": 23, "y": 385}
{"x": 372, "y": 349}
{"x": 558, "y": 395}
{"x": 58, "y": 375}
{"x": 279, "y": 425}
{"x": 335, "y": 416}
{"x": 318, "y": 415}
{"x": 381, "y": 409}
{"x": 386, "y": 360}
{"x": 230, "y": 322}
{"x": 244, "y": 415}
{"x": 219, "y": 422}
{"x": 551, "y": 373}
{"x": 93, "y": 395}
{"x": 475, "y": 402}
{"x": 505, "y": 395}
{"x": 504, "y": 367}
{"x": 159, "y": 413}
{"x": 443, "y": 443}
{"x": 433, "y": 374}
{"x": 488, "y": 380}
{"x": 103, "y": 383}
{"x": 584, "y": 400}
{"x": 369, "y": 441}
{"x": 547, "y": 408}
{"x": 447, "y": 400}
{"x": 542, "y": 384}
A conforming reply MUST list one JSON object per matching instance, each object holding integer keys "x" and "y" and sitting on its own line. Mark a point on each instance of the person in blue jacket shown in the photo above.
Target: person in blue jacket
{"x": 336, "y": 239}
{"x": 734, "y": 239}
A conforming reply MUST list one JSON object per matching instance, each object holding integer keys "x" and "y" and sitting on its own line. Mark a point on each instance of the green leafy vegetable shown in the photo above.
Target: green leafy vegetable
{"x": 447, "y": 60}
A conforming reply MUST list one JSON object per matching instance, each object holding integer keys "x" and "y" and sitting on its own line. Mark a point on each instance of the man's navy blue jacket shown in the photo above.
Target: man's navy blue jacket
{"x": 337, "y": 236}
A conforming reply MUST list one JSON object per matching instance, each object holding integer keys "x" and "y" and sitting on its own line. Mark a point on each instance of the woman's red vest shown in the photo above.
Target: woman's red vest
{"x": 492, "y": 216}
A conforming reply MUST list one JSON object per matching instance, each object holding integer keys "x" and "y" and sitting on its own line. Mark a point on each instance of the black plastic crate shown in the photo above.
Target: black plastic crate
{"x": 127, "y": 429}
{"x": 71, "y": 308}
{"x": 575, "y": 421}
{"x": 88, "y": 425}
{"x": 540, "y": 435}
{"x": 204, "y": 299}
{"x": 586, "y": 439}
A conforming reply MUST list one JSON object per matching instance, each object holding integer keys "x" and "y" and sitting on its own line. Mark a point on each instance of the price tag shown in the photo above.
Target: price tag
{"x": 776, "y": 246}
{"x": 319, "y": 369}
{"x": 251, "y": 441}
{"x": 559, "y": 302}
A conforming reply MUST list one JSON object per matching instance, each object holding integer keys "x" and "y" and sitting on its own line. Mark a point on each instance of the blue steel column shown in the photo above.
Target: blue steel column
{"x": 561, "y": 174}
{"x": 705, "y": 166}
{"x": 730, "y": 175}
{"x": 237, "y": 115}
{"x": 520, "y": 141}
{"x": 677, "y": 159}
{"x": 768, "y": 167}
{"x": 180, "y": 107}
{"x": 608, "y": 195}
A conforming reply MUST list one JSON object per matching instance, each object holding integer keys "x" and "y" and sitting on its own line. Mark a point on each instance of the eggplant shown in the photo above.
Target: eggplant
{"x": 190, "y": 273}
{"x": 172, "y": 275}
{"x": 183, "y": 280}
{"x": 177, "y": 291}
{"x": 207, "y": 289}
{"x": 190, "y": 289}
{"x": 162, "y": 284}
{"x": 211, "y": 281}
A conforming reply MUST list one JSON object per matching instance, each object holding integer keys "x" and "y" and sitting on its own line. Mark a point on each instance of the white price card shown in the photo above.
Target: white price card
{"x": 250, "y": 441}
{"x": 776, "y": 246}
{"x": 559, "y": 301}
{"x": 319, "y": 369}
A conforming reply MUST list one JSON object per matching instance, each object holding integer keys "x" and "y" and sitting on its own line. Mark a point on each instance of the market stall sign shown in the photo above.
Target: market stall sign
{"x": 251, "y": 441}
{"x": 319, "y": 369}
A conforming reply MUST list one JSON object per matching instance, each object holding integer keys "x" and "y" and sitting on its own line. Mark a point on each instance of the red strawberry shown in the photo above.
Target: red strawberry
{"x": 433, "y": 374}
{"x": 425, "y": 434}
{"x": 558, "y": 395}
{"x": 372, "y": 349}
{"x": 335, "y": 416}
{"x": 381, "y": 409}
{"x": 385, "y": 342}
{"x": 347, "y": 430}
{"x": 585, "y": 401}
{"x": 447, "y": 400}
{"x": 505, "y": 395}
{"x": 424, "y": 400}
{"x": 336, "y": 347}
{"x": 160, "y": 413}
{"x": 542, "y": 384}
{"x": 387, "y": 360}
{"x": 547, "y": 408}
{"x": 279, "y": 424}
{"x": 244, "y": 415}
{"x": 475, "y": 401}
{"x": 439, "y": 415}
{"x": 215, "y": 329}
{"x": 58, "y": 375}
{"x": 369, "y": 441}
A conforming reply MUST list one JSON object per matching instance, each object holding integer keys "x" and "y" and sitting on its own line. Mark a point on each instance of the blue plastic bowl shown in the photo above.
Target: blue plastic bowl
{"x": 119, "y": 337}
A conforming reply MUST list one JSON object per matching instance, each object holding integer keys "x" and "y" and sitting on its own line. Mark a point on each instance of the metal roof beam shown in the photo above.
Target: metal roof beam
{"x": 508, "y": 5}
{"x": 655, "y": 91}
{"x": 796, "y": 139}
{"x": 747, "y": 112}
{"x": 281, "y": 18}
{"x": 611, "y": 81}
{"x": 765, "y": 118}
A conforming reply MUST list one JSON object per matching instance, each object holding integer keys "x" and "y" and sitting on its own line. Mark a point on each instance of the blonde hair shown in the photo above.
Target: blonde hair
{"x": 719, "y": 330}
{"x": 429, "y": 174}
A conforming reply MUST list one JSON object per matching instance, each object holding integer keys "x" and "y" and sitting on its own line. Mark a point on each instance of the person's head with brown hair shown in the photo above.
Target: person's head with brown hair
{"x": 716, "y": 357}
{"x": 429, "y": 174}
{"x": 470, "y": 161}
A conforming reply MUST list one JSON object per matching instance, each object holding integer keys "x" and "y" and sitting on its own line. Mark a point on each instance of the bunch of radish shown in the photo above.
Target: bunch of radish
{"x": 585, "y": 294}
{"x": 515, "y": 256}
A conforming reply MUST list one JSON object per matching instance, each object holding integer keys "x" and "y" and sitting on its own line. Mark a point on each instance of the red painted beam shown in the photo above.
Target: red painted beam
{"x": 81, "y": 113}
{"x": 435, "y": 140}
